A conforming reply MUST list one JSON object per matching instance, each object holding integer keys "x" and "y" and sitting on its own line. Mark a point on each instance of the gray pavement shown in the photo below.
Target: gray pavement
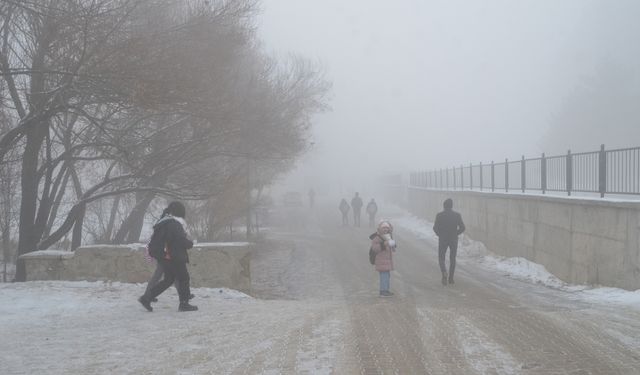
{"x": 484, "y": 324}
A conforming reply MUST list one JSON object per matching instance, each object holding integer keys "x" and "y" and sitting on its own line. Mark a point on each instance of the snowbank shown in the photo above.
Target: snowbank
{"x": 515, "y": 267}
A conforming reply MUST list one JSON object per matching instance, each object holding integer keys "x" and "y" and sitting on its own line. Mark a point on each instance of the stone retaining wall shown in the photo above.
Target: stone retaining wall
{"x": 581, "y": 241}
{"x": 213, "y": 265}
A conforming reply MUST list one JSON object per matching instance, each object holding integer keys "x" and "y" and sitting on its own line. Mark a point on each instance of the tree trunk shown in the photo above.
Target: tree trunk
{"x": 112, "y": 220}
{"x": 27, "y": 236}
{"x": 6, "y": 242}
{"x": 132, "y": 225}
{"x": 137, "y": 218}
{"x": 211, "y": 224}
{"x": 53, "y": 213}
{"x": 76, "y": 238}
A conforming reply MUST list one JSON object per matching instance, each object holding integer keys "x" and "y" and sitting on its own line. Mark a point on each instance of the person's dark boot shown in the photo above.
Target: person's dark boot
{"x": 146, "y": 303}
{"x": 185, "y": 306}
{"x": 444, "y": 278}
{"x": 192, "y": 296}
{"x": 451, "y": 279}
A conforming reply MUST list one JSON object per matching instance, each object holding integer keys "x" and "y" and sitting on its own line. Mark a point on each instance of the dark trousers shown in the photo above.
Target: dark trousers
{"x": 372, "y": 220}
{"x": 356, "y": 217}
{"x": 156, "y": 278}
{"x": 173, "y": 271}
{"x": 442, "y": 251}
{"x": 345, "y": 218}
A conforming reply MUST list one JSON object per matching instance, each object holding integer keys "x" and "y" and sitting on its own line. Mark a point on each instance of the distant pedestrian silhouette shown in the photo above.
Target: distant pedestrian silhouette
{"x": 344, "y": 208}
{"x": 356, "y": 204}
{"x": 372, "y": 209}
{"x": 448, "y": 226}
{"x": 312, "y": 197}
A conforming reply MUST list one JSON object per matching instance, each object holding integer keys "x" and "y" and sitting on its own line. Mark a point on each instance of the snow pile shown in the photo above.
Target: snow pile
{"x": 612, "y": 295}
{"x": 523, "y": 269}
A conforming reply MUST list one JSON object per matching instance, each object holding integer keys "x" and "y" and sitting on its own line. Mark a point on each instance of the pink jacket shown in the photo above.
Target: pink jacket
{"x": 384, "y": 256}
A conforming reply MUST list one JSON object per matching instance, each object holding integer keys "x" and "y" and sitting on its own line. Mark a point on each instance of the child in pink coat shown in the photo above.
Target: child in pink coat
{"x": 384, "y": 246}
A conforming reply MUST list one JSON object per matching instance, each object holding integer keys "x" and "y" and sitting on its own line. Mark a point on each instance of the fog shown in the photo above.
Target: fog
{"x": 421, "y": 84}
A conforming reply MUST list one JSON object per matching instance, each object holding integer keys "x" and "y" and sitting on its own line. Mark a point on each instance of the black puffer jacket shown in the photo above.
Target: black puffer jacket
{"x": 448, "y": 225}
{"x": 169, "y": 240}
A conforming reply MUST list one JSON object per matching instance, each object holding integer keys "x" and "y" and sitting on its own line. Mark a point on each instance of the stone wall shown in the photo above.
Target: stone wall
{"x": 582, "y": 241}
{"x": 211, "y": 265}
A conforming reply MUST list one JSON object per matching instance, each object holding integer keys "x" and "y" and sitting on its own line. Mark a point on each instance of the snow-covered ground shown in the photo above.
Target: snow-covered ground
{"x": 58, "y": 327}
{"x": 515, "y": 267}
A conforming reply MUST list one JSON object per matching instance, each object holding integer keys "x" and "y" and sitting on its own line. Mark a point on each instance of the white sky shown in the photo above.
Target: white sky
{"x": 427, "y": 84}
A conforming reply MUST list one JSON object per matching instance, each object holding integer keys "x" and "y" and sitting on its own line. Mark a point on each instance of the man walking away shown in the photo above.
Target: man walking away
{"x": 372, "y": 209}
{"x": 356, "y": 204}
{"x": 448, "y": 226}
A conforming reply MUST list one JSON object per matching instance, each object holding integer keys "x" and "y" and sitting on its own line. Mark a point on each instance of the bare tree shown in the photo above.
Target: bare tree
{"x": 141, "y": 99}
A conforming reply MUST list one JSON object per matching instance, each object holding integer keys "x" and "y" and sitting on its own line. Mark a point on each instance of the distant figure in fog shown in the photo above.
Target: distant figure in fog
{"x": 384, "y": 246}
{"x": 312, "y": 197}
{"x": 344, "y": 208}
{"x": 448, "y": 226}
{"x": 356, "y": 204}
{"x": 372, "y": 209}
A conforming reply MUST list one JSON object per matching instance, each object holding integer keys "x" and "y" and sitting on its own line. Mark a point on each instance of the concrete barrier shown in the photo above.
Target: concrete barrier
{"x": 213, "y": 265}
{"x": 581, "y": 241}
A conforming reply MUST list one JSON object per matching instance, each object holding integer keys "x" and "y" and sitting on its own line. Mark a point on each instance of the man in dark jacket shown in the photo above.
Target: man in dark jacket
{"x": 169, "y": 245}
{"x": 448, "y": 226}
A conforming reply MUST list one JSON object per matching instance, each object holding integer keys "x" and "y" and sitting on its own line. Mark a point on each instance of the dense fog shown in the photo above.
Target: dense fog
{"x": 427, "y": 84}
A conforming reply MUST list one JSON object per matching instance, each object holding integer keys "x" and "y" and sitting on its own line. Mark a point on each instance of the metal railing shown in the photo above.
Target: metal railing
{"x": 603, "y": 172}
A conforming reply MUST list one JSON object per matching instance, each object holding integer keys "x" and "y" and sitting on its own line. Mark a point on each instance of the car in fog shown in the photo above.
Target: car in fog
{"x": 292, "y": 199}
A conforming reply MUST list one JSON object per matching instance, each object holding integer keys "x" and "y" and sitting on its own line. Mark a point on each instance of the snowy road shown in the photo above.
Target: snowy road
{"x": 318, "y": 312}
{"x": 486, "y": 323}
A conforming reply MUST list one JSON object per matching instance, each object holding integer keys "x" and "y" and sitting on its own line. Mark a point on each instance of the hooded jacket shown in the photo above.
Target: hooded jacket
{"x": 169, "y": 240}
{"x": 384, "y": 252}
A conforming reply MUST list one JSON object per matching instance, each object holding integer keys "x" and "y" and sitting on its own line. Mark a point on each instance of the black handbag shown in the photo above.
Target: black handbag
{"x": 372, "y": 256}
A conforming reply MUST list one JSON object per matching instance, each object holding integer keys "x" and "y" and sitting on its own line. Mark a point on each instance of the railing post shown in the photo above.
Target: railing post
{"x": 454, "y": 177}
{"x": 480, "y": 176}
{"x": 441, "y": 180}
{"x": 602, "y": 171}
{"x": 493, "y": 177}
{"x": 506, "y": 175}
{"x": 543, "y": 174}
{"x": 523, "y": 174}
{"x": 461, "y": 177}
{"x": 470, "y": 176}
{"x": 569, "y": 172}
{"x": 446, "y": 173}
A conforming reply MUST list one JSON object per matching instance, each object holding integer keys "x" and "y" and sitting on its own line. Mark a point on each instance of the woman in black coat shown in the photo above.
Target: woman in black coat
{"x": 169, "y": 245}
